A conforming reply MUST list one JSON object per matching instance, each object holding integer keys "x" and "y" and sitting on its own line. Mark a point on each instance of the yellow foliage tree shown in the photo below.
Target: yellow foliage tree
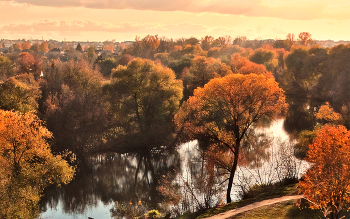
{"x": 327, "y": 113}
{"x": 27, "y": 164}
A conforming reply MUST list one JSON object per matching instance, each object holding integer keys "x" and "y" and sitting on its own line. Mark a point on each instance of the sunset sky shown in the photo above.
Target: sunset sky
{"x": 100, "y": 20}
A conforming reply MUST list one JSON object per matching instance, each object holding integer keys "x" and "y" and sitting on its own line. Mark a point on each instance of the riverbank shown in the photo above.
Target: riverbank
{"x": 260, "y": 193}
{"x": 278, "y": 203}
{"x": 251, "y": 207}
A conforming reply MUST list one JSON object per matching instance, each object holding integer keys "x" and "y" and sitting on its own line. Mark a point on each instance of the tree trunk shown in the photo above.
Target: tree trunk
{"x": 232, "y": 173}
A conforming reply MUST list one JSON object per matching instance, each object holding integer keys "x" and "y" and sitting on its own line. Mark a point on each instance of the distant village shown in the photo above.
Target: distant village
{"x": 57, "y": 49}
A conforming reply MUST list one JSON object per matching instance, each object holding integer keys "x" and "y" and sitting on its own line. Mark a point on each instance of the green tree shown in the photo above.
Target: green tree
{"x": 144, "y": 98}
{"x": 333, "y": 84}
{"x": 261, "y": 56}
{"x": 6, "y": 68}
{"x": 35, "y": 47}
{"x": 79, "y": 48}
{"x": 301, "y": 80}
{"x": 72, "y": 106}
{"x": 226, "y": 108}
{"x": 27, "y": 164}
{"x": 107, "y": 65}
{"x": 90, "y": 55}
{"x": 20, "y": 93}
{"x": 202, "y": 70}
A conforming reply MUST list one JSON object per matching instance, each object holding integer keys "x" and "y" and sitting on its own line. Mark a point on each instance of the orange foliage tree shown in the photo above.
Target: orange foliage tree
{"x": 242, "y": 65}
{"x": 26, "y": 61}
{"x": 26, "y": 45}
{"x": 27, "y": 164}
{"x": 304, "y": 38}
{"x": 326, "y": 183}
{"x": 225, "y": 109}
{"x": 44, "y": 47}
{"x": 327, "y": 114}
{"x": 109, "y": 47}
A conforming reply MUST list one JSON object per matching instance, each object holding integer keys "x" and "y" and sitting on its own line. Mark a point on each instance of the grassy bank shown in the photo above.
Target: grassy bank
{"x": 283, "y": 210}
{"x": 258, "y": 193}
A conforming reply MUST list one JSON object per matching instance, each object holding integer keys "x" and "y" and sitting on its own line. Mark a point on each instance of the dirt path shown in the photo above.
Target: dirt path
{"x": 233, "y": 212}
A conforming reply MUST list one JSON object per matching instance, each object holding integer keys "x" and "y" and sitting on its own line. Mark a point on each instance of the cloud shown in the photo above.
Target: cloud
{"x": 286, "y": 9}
{"x": 91, "y": 26}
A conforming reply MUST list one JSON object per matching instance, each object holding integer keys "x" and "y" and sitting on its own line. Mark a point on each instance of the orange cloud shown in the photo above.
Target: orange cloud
{"x": 90, "y": 26}
{"x": 285, "y": 9}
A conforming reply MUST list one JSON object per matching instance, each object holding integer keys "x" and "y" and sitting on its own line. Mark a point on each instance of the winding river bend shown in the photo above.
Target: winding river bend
{"x": 106, "y": 179}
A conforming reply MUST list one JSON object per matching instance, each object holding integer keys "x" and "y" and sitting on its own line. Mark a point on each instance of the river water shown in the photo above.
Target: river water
{"x": 128, "y": 179}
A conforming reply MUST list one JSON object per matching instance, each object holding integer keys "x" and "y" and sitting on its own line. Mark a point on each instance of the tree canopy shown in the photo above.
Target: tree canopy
{"x": 27, "y": 164}
{"x": 326, "y": 183}
{"x": 143, "y": 97}
{"x": 225, "y": 109}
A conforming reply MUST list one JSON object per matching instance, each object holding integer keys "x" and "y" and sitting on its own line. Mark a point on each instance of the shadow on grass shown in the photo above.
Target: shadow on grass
{"x": 305, "y": 212}
{"x": 283, "y": 210}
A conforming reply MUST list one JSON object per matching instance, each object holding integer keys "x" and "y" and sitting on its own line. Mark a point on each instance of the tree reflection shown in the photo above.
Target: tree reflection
{"x": 114, "y": 177}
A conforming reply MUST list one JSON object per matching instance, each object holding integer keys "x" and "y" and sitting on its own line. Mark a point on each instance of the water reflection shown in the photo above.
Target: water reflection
{"x": 115, "y": 177}
{"x": 189, "y": 182}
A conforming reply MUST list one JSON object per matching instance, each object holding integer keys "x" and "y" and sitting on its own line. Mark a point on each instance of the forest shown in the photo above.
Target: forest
{"x": 67, "y": 111}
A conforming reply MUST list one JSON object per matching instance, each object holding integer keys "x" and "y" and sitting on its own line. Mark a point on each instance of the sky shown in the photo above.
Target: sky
{"x": 123, "y": 20}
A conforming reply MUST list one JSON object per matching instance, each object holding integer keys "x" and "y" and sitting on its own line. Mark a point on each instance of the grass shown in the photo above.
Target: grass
{"x": 263, "y": 193}
{"x": 283, "y": 210}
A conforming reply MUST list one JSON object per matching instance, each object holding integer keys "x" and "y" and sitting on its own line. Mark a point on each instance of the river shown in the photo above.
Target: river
{"x": 130, "y": 179}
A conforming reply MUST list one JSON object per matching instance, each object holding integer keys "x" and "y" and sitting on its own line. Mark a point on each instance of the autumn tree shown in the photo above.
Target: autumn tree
{"x": 144, "y": 48}
{"x": 90, "y": 54}
{"x": 26, "y": 61}
{"x": 202, "y": 70}
{"x": 301, "y": 81}
{"x": 20, "y": 93}
{"x": 35, "y": 47}
{"x": 333, "y": 83}
{"x": 27, "y": 164}
{"x": 165, "y": 45}
{"x": 242, "y": 65}
{"x": 326, "y": 183}
{"x": 72, "y": 106}
{"x": 26, "y": 45}
{"x": 324, "y": 115}
{"x": 17, "y": 46}
{"x": 179, "y": 65}
{"x": 6, "y": 68}
{"x": 44, "y": 47}
{"x": 206, "y": 42}
{"x": 226, "y": 108}
{"x": 262, "y": 56}
{"x": 304, "y": 38}
{"x": 290, "y": 39}
{"x": 222, "y": 41}
{"x": 143, "y": 97}
{"x": 239, "y": 40}
{"x": 109, "y": 47}
{"x": 107, "y": 65}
